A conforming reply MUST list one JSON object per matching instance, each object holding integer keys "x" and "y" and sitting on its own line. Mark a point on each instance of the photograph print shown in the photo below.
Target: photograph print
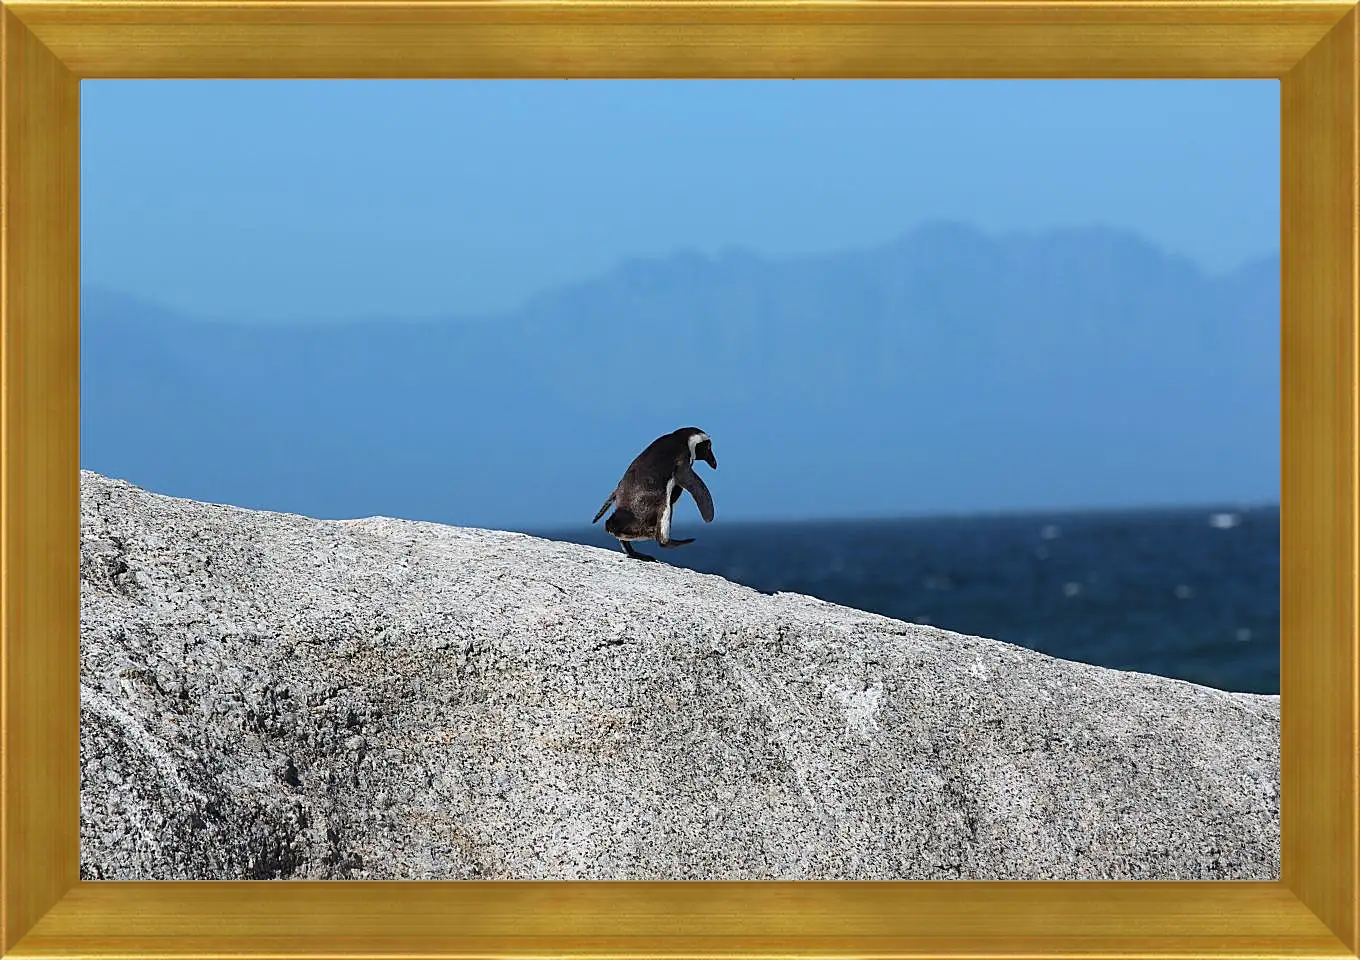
{"x": 661, "y": 480}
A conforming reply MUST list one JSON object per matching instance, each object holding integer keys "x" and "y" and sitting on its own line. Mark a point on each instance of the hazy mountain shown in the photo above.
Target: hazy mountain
{"x": 950, "y": 370}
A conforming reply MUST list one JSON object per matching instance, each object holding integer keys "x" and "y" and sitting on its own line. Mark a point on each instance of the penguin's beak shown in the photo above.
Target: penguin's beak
{"x": 711, "y": 460}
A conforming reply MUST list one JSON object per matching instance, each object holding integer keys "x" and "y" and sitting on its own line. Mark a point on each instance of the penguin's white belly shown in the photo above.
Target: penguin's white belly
{"x": 664, "y": 527}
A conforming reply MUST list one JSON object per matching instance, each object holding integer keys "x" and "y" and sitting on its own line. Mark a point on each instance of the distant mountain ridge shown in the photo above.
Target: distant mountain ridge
{"x": 949, "y": 370}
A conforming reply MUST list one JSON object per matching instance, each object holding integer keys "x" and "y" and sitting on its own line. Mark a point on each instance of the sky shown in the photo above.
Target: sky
{"x": 342, "y": 200}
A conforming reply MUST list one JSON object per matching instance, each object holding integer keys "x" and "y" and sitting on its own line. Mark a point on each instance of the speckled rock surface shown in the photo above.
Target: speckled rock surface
{"x": 266, "y": 695}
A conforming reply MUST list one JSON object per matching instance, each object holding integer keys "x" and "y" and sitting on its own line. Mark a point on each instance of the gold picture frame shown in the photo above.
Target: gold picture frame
{"x": 1311, "y": 46}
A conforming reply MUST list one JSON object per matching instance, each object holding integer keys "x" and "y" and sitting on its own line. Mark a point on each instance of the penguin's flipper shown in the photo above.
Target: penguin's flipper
{"x": 606, "y": 506}
{"x": 692, "y": 482}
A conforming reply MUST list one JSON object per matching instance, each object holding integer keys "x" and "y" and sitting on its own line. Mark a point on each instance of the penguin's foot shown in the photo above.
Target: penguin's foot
{"x": 674, "y": 543}
{"x": 628, "y": 549}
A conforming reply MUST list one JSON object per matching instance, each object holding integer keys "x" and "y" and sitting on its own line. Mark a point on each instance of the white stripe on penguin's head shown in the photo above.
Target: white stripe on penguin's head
{"x": 694, "y": 440}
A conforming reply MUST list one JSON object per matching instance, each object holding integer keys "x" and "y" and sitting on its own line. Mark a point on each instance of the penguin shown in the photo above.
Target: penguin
{"x": 652, "y": 484}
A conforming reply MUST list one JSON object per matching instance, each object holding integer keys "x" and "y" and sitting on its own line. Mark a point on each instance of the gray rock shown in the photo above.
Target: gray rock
{"x": 266, "y": 695}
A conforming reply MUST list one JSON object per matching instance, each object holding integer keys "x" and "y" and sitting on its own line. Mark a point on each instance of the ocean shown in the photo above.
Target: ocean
{"x": 1191, "y": 593}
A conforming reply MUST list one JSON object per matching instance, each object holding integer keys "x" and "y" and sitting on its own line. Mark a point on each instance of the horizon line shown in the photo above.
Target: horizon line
{"x": 1209, "y": 508}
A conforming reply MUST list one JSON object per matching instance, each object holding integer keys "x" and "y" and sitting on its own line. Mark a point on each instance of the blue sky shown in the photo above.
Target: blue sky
{"x": 334, "y": 200}
{"x": 268, "y": 201}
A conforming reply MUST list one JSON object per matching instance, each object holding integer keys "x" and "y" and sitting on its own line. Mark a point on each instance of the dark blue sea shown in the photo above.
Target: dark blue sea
{"x": 1186, "y": 593}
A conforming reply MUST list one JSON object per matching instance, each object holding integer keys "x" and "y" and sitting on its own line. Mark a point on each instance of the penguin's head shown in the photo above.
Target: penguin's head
{"x": 704, "y": 451}
{"x": 701, "y": 447}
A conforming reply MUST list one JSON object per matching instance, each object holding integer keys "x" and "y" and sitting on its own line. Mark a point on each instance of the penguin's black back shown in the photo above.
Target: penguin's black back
{"x": 642, "y": 495}
{"x": 653, "y": 468}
